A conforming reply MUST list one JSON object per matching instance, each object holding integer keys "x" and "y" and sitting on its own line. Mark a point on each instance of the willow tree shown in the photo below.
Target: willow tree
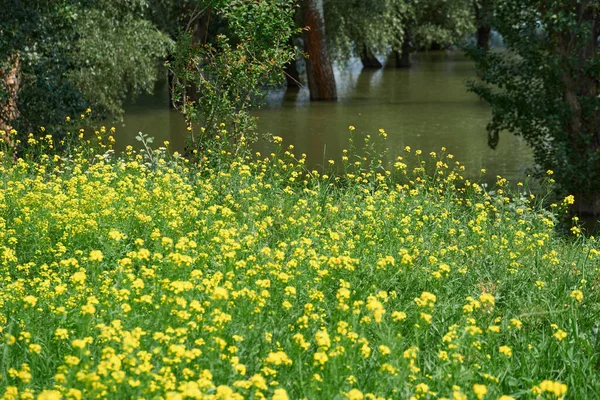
{"x": 546, "y": 88}
{"x": 420, "y": 24}
{"x": 356, "y": 28}
{"x": 361, "y": 28}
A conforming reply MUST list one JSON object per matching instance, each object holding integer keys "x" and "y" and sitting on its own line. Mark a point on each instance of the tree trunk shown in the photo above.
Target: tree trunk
{"x": 580, "y": 84}
{"x": 171, "y": 85}
{"x": 319, "y": 71}
{"x": 9, "y": 110}
{"x": 368, "y": 59}
{"x": 484, "y": 33}
{"x": 197, "y": 27}
{"x": 581, "y": 87}
{"x": 403, "y": 57}
{"x": 483, "y": 15}
{"x": 11, "y": 80}
{"x": 292, "y": 76}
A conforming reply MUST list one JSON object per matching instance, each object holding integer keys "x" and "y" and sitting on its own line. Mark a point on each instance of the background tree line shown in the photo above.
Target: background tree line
{"x": 59, "y": 57}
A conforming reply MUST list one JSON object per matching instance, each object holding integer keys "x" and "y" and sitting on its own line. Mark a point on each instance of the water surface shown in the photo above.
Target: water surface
{"x": 425, "y": 107}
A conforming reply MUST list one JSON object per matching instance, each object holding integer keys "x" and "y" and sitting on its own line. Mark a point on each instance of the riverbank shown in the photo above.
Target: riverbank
{"x": 142, "y": 275}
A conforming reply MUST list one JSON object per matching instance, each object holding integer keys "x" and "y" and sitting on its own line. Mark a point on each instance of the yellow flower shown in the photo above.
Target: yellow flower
{"x": 278, "y": 358}
{"x": 280, "y": 394}
{"x": 322, "y": 339}
{"x": 540, "y": 284}
{"x": 560, "y": 335}
{"x": 35, "y": 348}
{"x": 506, "y": 351}
{"x": 422, "y": 389}
{"x": 426, "y": 300}
{"x": 384, "y": 350}
{"x": 88, "y": 309}
{"x": 577, "y": 295}
{"x": 72, "y": 360}
{"x": 355, "y": 394}
{"x": 398, "y": 316}
{"x": 225, "y": 393}
{"x": 480, "y": 390}
{"x": 115, "y": 235}
{"x": 220, "y": 293}
{"x": 458, "y": 395}
{"x": 49, "y": 395}
{"x": 321, "y": 357}
{"x": 376, "y": 307}
{"x": 365, "y": 350}
{"x": 487, "y": 298}
{"x": 569, "y": 200}
{"x": 493, "y": 328}
{"x": 30, "y": 300}
{"x": 81, "y": 343}
{"x": 96, "y": 255}
{"x": 411, "y": 353}
{"x": 78, "y": 277}
{"x": 426, "y": 317}
{"x": 61, "y": 333}
{"x": 516, "y": 323}
{"x": 556, "y": 388}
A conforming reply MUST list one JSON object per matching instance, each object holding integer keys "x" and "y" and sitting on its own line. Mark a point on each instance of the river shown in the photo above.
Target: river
{"x": 425, "y": 107}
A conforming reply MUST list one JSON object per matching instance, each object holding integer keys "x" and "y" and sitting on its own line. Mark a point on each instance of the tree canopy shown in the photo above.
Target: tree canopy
{"x": 70, "y": 55}
{"x": 382, "y": 24}
{"x": 545, "y": 86}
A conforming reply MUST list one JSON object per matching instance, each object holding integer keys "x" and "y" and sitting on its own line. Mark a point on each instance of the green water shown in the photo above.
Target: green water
{"x": 425, "y": 107}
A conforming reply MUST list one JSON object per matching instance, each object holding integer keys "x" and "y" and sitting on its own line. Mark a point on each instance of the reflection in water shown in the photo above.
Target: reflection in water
{"x": 425, "y": 107}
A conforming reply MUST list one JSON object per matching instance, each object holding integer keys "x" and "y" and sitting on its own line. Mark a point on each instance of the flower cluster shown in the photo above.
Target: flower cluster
{"x": 121, "y": 278}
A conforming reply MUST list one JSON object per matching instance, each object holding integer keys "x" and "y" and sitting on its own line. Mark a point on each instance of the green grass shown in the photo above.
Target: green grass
{"x": 145, "y": 276}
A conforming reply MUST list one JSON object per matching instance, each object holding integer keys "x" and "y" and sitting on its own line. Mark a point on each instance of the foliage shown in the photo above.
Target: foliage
{"x": 78, "y": 54}
{"x": 440, "y": 22}
{"x": 380, "y": 24}
{"x": 171, "y": 16}
{"x": 352, "y": 25}
{"x": 545, "y": 86}
{"x": 144, "y": 275}
{"x": 217, "y": 82}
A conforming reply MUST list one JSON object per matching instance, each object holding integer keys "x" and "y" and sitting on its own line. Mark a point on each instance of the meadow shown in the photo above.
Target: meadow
{"x": 146, "y": 275}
